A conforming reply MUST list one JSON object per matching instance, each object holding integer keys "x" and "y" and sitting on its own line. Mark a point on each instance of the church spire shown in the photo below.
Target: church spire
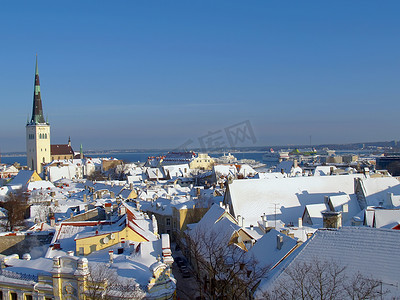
{"x": 37, "y": 112}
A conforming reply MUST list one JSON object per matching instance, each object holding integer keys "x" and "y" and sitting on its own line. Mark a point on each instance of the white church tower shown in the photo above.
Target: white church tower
{"x": 37, "y": 133}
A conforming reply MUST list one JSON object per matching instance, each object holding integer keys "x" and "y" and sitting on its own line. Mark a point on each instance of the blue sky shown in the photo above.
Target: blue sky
{"x": 140, "y": 74}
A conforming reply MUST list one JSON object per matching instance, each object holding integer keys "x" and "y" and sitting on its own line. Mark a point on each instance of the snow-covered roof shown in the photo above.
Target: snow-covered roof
{"x": 370, "y": 251}
{"x": 315, "y": 213}
{"x": 266, "y": 250}
{"x": 386, "y": 218}
{"x": 287, "y": 197}
{"x": 245, "y": 170}
{"x": 376, "y": 189}
{"x": 212, "y": 216}
{"x": 155, "y": 173}
{"x": 225, "y": 170}
{"x": 264, "y": 175}
{"x": 323, "y": 170}
{"x": 22, "y": 177}
{"x": 42, "y": 184}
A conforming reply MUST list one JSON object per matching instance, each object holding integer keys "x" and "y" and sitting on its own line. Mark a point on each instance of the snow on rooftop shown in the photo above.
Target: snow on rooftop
{"x": 266, "y": 251}
{"x": 286, "y": 196}
{"x": 370, "y": 251}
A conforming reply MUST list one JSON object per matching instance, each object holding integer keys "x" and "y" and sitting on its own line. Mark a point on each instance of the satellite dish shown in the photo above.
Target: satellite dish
{"x": 112, "y": 236}
{"x": 106, "y": 240}
{"x": 240, "y": 239}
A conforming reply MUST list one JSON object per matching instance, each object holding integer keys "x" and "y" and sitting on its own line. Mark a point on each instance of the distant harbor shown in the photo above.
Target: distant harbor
{"x": 137, "y": 156}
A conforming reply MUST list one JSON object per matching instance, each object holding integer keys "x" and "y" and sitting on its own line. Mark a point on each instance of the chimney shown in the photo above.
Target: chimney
{"x": 84, "y": 198}
{"x": 131, "y": 186}
{"x": 52, "y": 221}
{"x": 326, "y": 199}
{"x": 345, "y": 212}
{"x": 26, "y": 256}
{"x": 264, "y": 220}
{"x": 111, "y": 256}
{"x": 295, "y": 164}
{"x": 300, "y": 222}
{"x": 282, "y": 171}
{"x": 332, "y": 219}
{"x": 279, "y": 242}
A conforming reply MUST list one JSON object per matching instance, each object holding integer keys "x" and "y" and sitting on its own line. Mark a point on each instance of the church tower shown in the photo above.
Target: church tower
{"x": 37, "y": 132}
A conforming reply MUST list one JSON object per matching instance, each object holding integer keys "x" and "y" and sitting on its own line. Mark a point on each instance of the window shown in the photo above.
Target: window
{"x": 28, "y": 297}
{"x": 168, "y": 221}
{"x": 13, "y": 296}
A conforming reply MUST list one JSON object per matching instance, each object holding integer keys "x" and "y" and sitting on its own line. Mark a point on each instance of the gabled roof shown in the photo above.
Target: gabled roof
{"x": 266, "y": 252}
{"x": 315, "y": 212}
{"x": 387, "y": 218}
{"x": 61, "y": 149}
{"x": 24, "y": 177}
{"x": 287, "y": 197}
{"x": 213, "y": 215}
{"x": 376, "y": 189}
{"x": 370, "y": 251}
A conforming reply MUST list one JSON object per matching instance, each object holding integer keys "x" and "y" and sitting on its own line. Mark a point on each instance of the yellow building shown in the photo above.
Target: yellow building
{"x": 203, "y": 162}
{"x": 73, "y": 278}
{"x": 123, "y": 259}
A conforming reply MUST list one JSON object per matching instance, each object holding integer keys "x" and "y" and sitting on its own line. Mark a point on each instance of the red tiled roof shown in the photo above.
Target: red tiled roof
{"x": 61, "y": 150}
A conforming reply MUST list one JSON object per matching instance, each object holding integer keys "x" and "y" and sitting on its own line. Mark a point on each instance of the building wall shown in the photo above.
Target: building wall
{"x": 97, "y": 242}
{"x": 21, "y": 244}
{"x": 203, "y": 162}
{"x": 37, "y": 146}
{"x": 61, "y": 157}
{"x": 184, "y": 216}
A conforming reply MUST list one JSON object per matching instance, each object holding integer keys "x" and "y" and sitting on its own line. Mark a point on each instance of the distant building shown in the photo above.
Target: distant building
{"x": 390, "y": 163}
{"x": 61, "y": 151}
{"x": 203, "y": 162}
{"x": 37, "y": 132}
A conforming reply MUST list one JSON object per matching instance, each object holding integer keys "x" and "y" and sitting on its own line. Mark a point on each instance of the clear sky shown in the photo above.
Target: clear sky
{"x": 140, "y": 74}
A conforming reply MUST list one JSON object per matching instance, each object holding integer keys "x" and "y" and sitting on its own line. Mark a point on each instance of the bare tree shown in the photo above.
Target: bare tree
{"x": 103, "y": 282}
{"x": 16, "y": 205}
{"x": 224, "y": 269}
{"x": 97, "y": 175}
{"x": 323, "y": 280}
{"x": 363, "y": 287}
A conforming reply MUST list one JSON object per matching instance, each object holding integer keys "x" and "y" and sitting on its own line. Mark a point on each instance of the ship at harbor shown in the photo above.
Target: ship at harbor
{"x": 272, "y": 156}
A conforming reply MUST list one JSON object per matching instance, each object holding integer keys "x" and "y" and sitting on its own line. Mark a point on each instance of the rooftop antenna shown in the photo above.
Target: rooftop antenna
{"x": 275, "y": 204}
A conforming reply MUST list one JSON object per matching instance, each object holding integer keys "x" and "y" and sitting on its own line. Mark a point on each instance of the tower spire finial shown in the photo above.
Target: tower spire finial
{"x": 37, "y": 69}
